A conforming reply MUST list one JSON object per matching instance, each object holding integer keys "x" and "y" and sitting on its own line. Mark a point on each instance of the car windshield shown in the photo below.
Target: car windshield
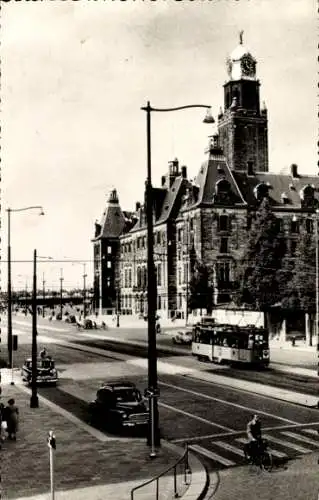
{"x": 127, "y": 395}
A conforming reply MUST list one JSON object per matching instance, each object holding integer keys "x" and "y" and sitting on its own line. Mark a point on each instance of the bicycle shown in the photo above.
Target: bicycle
{"x": 261, "y": 456}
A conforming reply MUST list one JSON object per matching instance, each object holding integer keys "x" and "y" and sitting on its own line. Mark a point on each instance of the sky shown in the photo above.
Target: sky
{"x": 74, "y": 78}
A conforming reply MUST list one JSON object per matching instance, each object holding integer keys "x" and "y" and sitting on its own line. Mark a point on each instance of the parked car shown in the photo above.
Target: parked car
{"x": 46, "y": 371}
{"x": 182, "y": 337}
{"x": 118, "y": 405}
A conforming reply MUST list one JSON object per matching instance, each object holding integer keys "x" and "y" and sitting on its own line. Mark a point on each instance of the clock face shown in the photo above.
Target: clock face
{"x": 248, "y": 66}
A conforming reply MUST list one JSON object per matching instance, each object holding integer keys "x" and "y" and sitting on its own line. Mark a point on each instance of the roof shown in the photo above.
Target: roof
{"x": 212, "y": 172}
{"x": 278, "y": 185}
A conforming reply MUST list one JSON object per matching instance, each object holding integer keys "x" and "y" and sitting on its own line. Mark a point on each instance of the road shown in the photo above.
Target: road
{"x": 211, "y": 419}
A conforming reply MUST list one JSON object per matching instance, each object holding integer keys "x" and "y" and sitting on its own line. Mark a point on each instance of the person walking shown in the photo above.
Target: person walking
{"x": 12, "y": 416}
{"x": 3, "y": 422}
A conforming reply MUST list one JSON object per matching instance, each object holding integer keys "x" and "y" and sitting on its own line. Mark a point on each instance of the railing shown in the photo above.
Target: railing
{"x": 181, "y": 471}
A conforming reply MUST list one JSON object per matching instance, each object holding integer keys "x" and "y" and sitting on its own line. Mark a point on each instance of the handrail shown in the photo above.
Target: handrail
{"x": 156, "y": 478}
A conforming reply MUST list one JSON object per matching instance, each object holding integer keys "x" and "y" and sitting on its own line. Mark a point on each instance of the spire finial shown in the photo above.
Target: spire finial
{"x": 241, "y": 34}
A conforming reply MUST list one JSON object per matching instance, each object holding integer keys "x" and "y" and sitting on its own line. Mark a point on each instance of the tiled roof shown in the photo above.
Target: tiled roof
{"x": 278, "y": 185}
{"x": 213, "y": 170}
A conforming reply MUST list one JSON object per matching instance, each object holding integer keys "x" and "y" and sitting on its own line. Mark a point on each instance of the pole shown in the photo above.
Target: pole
{"x": 317, "y": 289}
{"x": 51, "y": 451}
{"x": 26, "y": 304}
{"x": 118, "y": 306}
{"x": 34, "y": 401}
{"x": 43, "y": 293}
{"x": 84, "y": 291}
{"x": 9, "y": 326}
{"x": 153, "y": 451}
{"x": 61, "y": 293}
{"x": 151, "y": 292}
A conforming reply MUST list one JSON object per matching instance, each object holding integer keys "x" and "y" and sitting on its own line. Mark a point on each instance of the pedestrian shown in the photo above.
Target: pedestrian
{"x": 12, "y": 416}
{"x": 43, "y": 353}
{"x": 3, "y": 422}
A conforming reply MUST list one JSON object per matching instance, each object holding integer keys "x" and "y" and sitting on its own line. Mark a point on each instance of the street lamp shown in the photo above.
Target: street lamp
{"x": 9, "y": 327}
{"x": 152, "y": 393}
{"x": 61, "y": 293}
{"x": 317, "y": 288}
{"x": 84, "y": 290}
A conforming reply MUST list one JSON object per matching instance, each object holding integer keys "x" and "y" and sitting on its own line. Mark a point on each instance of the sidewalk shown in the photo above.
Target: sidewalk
{"x": 86, "y": 466}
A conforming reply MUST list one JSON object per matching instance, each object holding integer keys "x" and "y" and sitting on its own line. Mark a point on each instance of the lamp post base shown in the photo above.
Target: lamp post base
{"x": 34, "y": 402}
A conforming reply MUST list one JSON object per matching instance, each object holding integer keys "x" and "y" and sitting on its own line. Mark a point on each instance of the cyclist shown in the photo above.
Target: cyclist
{"x": 254, "y": 436}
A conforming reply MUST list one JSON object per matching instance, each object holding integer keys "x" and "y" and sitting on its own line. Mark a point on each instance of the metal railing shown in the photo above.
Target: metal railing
{"x": 180, "y": 470}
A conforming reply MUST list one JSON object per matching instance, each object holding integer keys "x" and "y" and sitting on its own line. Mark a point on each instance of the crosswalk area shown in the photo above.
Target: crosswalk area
{"x": 284, "y": 444}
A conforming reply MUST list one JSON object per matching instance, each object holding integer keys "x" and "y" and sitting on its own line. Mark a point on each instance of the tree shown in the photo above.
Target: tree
{"x": 262, "y": 259}
{"x": 302, "y": 283}
{"x": 200, "y": 291}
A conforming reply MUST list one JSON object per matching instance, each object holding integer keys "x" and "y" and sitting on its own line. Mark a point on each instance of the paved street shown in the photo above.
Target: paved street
{"x": 211, "y": 418}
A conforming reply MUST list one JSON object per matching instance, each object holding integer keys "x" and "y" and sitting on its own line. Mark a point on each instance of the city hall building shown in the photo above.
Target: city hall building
{"x": 207, "y": 219}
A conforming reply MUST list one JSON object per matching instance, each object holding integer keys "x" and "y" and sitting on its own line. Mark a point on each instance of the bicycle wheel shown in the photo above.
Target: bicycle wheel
{"x": 266, "y": 461}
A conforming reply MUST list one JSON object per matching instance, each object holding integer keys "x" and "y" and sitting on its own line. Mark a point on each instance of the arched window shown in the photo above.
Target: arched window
{"x": 261, "y": 191}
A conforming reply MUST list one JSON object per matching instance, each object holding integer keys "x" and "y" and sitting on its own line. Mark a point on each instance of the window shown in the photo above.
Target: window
{"x": 138, "y": 243}
{"x": 180, "y": 235}
{"x": 109, "y": 250}
{"x": 223, "y": 272}
{"x": 158, "y": 238}
{"x": 248, "y": 222}
{"x": 159, "y": 274}
{"x": 130, "y": 278}
{"x": 294, "y": 228}
{"x": 139, "y": 277}
{"x": 186, "y": 273}
{"x": 309, "y": 226}
{"x": 108, "y": 282}
{"x": 159, "y": 302}
{"x": 223, "y": 223}
{"x": 223, "y": 245}
{"x": 180, "y": 301}
{"x": 179, "y": 276}
{"x": 109, "y": 264}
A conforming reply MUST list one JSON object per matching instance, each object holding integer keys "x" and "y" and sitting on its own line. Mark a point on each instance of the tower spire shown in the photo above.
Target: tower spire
{"x": 241, "y": 35}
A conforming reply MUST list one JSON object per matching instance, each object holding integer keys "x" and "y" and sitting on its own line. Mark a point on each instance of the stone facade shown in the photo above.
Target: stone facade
{"x": 206, "y": 220}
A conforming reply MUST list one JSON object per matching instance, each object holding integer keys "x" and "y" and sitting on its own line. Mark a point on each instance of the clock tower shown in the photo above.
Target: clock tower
{"x": 242, "y": 125}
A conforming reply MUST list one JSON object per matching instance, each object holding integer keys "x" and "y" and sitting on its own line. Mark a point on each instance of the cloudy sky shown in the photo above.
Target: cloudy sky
{"x": 74, "y": 77}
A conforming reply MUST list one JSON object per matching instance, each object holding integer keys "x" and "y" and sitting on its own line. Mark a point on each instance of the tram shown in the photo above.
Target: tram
{"x": 231, "y": 344}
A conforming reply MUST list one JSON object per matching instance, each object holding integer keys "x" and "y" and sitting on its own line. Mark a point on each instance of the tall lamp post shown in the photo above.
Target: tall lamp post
{"x": 153, "y": 438}
{"x": 317, "y": 289}
{"x": 84, "y": 291}
{"x": 9, "y": 327}
{"x": 43, "y": 295}
{"x": 34, "y": 400}
{"x": 61, "y": 293}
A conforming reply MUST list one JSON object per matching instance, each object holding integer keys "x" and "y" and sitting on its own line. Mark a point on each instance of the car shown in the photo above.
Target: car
{"x": 46, "y": 371}
{"x": 182, "y": 337}
{"x": 119, "y": 405}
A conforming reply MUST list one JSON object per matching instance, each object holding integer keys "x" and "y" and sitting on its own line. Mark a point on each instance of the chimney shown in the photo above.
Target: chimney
{"x": 163, "y": 179}
{"x": 137, "y": 206}
{"x": 294, "y": 170}
{"x": 250, "y": 168}
{"x": 184, "y": 172}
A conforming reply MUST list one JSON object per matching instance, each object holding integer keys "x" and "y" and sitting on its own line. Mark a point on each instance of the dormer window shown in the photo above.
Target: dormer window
{"x": 222, "y": 186}
{"x": 284, "y": 198}
{"x": 307, "y": 196}
{"x": 261, "y": 191}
